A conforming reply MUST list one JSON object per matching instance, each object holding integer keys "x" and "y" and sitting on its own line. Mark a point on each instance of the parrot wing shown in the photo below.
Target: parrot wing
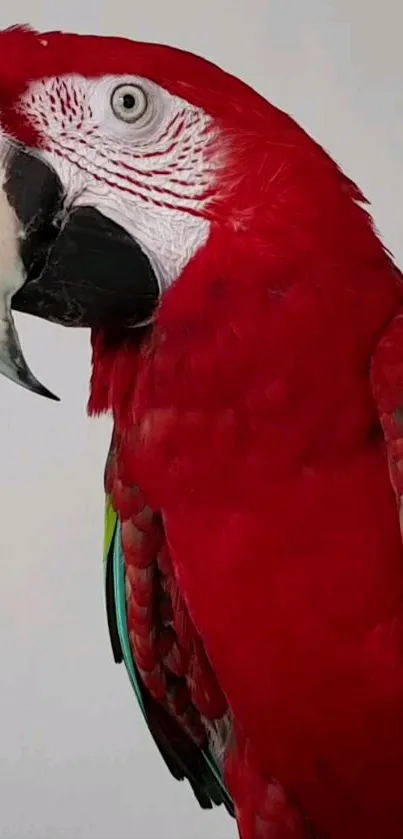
{"x": 143, "y": 610}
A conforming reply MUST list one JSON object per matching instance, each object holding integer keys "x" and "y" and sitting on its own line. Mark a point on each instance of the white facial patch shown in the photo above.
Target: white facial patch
{"x": 153, "y": 177}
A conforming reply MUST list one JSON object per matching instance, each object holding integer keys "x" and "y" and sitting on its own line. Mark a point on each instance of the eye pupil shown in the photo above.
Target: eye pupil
{"x": 128, "y": 101}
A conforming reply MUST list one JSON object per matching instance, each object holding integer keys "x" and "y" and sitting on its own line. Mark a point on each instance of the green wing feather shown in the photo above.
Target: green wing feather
{"x": 113, "y": 554}
{"x": 182, "y": 756}
{"x": 110, "y": 521}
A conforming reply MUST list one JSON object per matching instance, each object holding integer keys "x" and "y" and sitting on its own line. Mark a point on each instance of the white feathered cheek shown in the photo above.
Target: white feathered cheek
{"x": 109, "y": 210}
{"x": 138, "y": 155}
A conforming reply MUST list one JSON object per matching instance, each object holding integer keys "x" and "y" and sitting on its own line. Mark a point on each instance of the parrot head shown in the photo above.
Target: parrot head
{"x": 111, "y": 155}
{"x": 119, "y": 162}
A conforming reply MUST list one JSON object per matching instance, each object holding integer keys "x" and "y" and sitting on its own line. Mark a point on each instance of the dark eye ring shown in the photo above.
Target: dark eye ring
{"x": 129, "y": 102}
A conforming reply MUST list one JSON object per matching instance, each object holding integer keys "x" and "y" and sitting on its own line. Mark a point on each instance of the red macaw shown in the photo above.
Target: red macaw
{"x": 247, "y": 332}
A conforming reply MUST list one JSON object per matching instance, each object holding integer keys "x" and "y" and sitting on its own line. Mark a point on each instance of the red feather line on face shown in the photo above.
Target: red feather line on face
{"x": 173, "y": 167}
{"x": 116, "y": 162}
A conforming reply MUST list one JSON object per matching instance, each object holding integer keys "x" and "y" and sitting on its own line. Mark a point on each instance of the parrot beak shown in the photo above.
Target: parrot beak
{"x": 69, "y": 265}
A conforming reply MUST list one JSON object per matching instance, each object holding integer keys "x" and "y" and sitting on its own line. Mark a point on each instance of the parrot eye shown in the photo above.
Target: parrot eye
{"x": 129, "y": 102}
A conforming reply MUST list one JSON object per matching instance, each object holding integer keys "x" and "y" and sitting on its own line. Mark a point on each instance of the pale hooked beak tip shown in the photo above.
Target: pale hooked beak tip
{"x": 40, "y": 389}
{"x": 12, "y": 361}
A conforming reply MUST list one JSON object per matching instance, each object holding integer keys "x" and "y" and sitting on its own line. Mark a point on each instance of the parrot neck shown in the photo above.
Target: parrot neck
{"x": 115, "y": 359}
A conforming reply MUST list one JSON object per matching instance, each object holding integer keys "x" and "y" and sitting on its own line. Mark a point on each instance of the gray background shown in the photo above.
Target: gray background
{"x": 75, "y": 759}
